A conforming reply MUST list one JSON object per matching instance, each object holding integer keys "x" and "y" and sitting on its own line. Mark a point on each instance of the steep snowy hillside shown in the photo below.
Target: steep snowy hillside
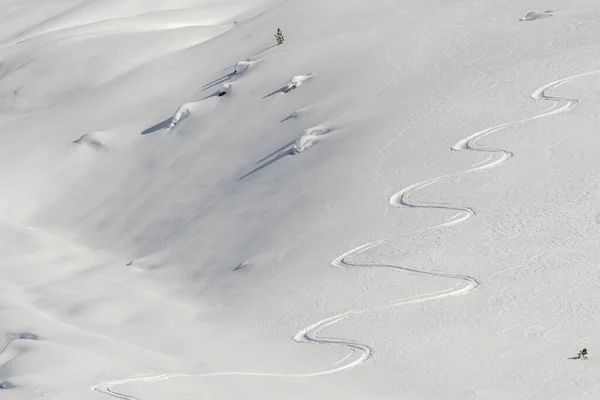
{"x": 398, "y": 202}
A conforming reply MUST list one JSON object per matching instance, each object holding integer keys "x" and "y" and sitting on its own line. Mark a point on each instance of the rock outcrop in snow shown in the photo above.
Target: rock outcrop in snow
{"x": 533, "y": 15}
{"x": 90, "y": 140}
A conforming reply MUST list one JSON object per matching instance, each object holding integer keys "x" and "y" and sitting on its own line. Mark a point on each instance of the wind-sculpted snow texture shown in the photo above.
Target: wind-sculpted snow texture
{"x": 378, "y": 208}
{"x": 361, "y": 352}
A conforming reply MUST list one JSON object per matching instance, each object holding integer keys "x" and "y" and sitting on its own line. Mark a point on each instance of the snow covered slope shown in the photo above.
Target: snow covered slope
{"x": 398, "y": 202}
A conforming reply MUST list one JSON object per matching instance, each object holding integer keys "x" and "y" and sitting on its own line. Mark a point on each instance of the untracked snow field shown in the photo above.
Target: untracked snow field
{"x": 398, "y": 202}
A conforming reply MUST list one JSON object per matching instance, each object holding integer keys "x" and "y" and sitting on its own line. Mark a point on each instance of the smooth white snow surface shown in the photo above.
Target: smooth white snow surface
{"x": 399, "y": 202}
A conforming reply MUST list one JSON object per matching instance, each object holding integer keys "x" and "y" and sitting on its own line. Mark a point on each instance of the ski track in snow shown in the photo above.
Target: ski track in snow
{"x": 358, "y": 353}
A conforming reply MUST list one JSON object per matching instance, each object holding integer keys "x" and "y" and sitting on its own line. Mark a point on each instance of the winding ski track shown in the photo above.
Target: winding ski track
{"x": 358, "y": 353}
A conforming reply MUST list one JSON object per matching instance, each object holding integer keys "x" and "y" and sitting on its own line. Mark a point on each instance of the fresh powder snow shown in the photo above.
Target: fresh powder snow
{"x": 399, "y": 201}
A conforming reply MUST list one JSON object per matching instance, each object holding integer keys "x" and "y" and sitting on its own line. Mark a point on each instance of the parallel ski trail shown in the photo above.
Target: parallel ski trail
{"x": 359, "y": 353}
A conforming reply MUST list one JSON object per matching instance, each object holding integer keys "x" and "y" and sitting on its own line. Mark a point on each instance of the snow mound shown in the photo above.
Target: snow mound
{"x": 309, "y": 138}
{"x": 296, "y": 81}
{"x": 182, "y": 113}
{"x": 533, "y": 15}
{"x": 243, "y": 66}
{"x": 225, "y": 88}
{"x": 197, "y": 107}
{"x": 90, "y": 140}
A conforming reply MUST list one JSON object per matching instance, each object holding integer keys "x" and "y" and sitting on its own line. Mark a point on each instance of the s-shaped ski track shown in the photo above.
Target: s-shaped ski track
{"x": 359, "y": 353}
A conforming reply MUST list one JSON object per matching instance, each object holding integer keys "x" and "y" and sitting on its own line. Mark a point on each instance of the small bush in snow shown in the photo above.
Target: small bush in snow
{"x": 582, "y": 355}
{"x": 279, "y": 37}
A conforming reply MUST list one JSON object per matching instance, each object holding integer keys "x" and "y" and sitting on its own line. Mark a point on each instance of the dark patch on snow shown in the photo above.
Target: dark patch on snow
{"x": 282, "y": 148}
{"x": 241, "y": 266}
{"x": 158, "y": 127}
{"x": 293, "y": 115}
{"x": 533, "y": 15}
{"x": 283, "y": 89}
{"x": 5, "y": 385}
{"x": 225, "y": 89}
{"x": 22, "y": 336}
{"x": 90, "y": 141}
{"x": 279, "y": 154}
{"x": 28, "y": 336}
